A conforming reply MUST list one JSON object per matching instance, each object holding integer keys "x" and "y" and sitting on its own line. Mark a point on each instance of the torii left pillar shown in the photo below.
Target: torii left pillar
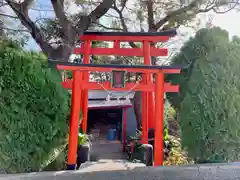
{"x": 74, "y": 121}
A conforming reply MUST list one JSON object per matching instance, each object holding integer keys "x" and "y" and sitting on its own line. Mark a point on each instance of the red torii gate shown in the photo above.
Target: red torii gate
{"x": 152, "y": 113}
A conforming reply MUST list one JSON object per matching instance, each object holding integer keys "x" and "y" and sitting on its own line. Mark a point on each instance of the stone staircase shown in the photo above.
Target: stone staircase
{"x": 107, "y": 155}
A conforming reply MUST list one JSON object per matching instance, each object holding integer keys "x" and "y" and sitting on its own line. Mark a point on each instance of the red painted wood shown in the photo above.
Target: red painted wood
{"x": 151, "y": 110}
{"x": 86, "y": 60}
{"x": 125, "y": 38}
{"x": 168, "y": 87}
{"x": 116, "y": 44}
{"x": 107, "y": 69}
{"x": 74, "y": 122}
{"x": 123, "y": 51}
{"x": 159, "y": 120}
{"x": 145, "y": 103}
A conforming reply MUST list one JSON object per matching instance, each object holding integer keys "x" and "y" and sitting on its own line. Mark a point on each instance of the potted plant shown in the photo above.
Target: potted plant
{"x": 84, "y": 149}
{"x": 144, "y": 152}
{"x": 133, "y": 146}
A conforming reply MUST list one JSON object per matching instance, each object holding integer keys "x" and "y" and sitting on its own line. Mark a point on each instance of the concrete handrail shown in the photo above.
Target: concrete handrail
{"x": 229, "y": 171}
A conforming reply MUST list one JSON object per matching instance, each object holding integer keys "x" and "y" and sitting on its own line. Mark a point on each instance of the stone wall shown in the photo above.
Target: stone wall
{"x": 131, "y": 122}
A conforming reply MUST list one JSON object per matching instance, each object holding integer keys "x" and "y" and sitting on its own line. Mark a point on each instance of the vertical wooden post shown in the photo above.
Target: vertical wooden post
{"x": 145, "y": 105}
{"x": 116, "y": 44}
{"x": 74, "y": 122}
{"x": 86, "y": 60}
{"x": 124, "y": 139}
{"x": 149, "y": 79}
{"x": 159, "y": 119}
{"x": 151, "y": 109}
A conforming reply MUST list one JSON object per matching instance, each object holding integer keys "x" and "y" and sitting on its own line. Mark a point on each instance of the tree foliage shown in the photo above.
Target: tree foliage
{"x": 56, "y": 26}
{"x": 208, "y": 101}
{"x": 33, "y": 110}
{"x": 204, "y": 42}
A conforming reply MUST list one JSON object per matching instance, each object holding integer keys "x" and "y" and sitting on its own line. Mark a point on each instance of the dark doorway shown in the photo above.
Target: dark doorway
{"x": 101, "y": 120}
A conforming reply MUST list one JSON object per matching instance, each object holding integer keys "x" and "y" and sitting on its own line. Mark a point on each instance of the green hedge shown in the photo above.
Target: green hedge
{"x": 209, "y": 99}
{"x": 33, "y": 110}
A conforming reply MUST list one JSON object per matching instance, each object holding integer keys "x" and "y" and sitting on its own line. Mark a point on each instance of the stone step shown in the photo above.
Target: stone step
{"x": 109, "y": 165}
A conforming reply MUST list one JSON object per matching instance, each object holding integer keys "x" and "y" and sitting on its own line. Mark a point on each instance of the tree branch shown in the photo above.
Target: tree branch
{"x": 109, "y": 28}
{"x": 125, "y": 29}
{"x": 98, "y": 12}
{"x": 184, "y": 9}
{"x": 68, "y": 31}
{"x": 15, "y": 30}
{"x": 214, "y": 8}
{"x": 25, "y": 6}
{"x": 151, "y": 25}
{"x": 22, "y": 13}
{"x": 212, "y": 5}
{"x": 123, "y": 4}
{"x": 8, "y": 16}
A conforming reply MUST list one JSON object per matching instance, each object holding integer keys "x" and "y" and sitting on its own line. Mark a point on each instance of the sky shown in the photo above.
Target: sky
{"x": 227, "y": 21}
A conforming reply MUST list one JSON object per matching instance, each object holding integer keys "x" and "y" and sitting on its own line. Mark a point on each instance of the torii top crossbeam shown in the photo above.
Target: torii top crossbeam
{"x": 118, "y": 37}
{"x": 135, "y": 36}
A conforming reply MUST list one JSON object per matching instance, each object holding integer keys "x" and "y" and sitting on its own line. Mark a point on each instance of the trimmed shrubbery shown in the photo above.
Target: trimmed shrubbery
{"x": 208, "y": 103}
{"x": 33, "y": 110}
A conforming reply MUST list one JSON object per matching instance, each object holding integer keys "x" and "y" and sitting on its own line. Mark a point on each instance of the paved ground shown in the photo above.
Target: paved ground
{"x": 109, "y": 165}
{"x": 229, "y": 171}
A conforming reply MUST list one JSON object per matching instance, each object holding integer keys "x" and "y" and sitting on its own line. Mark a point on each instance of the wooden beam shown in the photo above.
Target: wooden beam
{"x": 123, "y": 51}
{"x": 168, "y": 87}
{"x": 101, "y": 68}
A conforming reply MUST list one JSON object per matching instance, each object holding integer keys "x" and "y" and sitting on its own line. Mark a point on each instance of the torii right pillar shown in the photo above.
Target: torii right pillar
{"x": 160, "y": 89}
{"x": 159, "y": 119}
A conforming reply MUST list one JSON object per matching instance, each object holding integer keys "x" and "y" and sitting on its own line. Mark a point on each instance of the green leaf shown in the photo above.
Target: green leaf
{"x": 34, "y": 109}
